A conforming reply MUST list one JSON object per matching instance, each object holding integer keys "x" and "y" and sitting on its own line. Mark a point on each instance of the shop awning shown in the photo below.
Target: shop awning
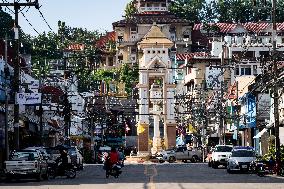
{"x": 260, "y": 133}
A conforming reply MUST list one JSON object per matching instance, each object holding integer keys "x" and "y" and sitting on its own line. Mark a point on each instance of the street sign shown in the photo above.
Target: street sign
{"x": 28, "y": 98}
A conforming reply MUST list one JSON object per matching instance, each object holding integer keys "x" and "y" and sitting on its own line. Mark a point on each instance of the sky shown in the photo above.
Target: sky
{"x": 90, "y": 14}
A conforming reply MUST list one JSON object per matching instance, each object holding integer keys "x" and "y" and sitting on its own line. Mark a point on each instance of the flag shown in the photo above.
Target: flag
{"x": 191, "y": 129}
{"x": 140, "y": 128}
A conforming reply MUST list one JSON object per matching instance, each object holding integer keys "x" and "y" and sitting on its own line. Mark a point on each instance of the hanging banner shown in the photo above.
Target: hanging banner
{"x": 214, "y": 78}
{"x": 112, "y": 87}
{"x": 28, "y": 98}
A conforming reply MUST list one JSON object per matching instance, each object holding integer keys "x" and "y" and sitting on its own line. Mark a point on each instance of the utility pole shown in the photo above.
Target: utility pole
{"x": 238, "y": 113}
{"x": 275, "y": 89}
{"x": 16, "y": 83}
{"x": 6, "y": 73}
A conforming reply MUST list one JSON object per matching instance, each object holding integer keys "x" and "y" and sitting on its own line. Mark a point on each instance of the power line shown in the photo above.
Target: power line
{"x": 22, "y": 14}
{"x": 44, "y": 19}
{"x": 29, "y": 23}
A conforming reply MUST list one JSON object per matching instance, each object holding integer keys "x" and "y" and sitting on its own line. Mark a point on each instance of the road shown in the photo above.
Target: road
{"x": 155, "y": 176}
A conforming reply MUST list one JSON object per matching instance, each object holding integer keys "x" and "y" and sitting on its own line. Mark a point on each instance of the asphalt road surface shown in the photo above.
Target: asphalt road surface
{"x": 155, "y": 176}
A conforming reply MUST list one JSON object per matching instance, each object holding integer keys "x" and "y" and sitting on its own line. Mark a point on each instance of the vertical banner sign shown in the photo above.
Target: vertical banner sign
{"x": 112, "y": 87}
{"x": 121, "y": 88}
{"x": 214, "y": 78}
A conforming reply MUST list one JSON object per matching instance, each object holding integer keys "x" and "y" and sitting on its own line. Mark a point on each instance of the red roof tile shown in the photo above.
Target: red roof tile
{"x": 101, "y": 43}
{"x": 252, "y": 27}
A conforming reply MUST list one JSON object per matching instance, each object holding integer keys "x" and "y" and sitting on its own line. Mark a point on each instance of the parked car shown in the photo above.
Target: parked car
{"x": 185, "y": 154}
{"x": 26, "y": 164}
{"x": 166, "y": 155}
{"x": 241, "y": 159}
{"x": 76, "y": 157}
{"x": 220, "y": 155}
{"x": 43, "y": 151}
{"x": 180, "y": 153}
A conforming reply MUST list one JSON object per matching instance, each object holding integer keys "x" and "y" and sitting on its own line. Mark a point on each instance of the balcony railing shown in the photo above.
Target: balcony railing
{"x": 149, "y": 9}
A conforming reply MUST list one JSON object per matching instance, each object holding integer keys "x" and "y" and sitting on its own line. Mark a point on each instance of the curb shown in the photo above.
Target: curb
{"x": 275, "y": 176}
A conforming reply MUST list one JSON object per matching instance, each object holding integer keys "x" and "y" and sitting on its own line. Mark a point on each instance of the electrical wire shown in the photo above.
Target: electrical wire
{"x": 29, "y": 23}
{"x": 44, "y": 19}
{"x": 23, "y": 16}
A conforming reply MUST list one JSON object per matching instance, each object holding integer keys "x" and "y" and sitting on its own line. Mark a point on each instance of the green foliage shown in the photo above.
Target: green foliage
{"x": 129, "y": 76}
{"x": 124, "y": 74}
{"x": 188, "y": 9}
{"x": 130, "y": 9}
{"x": 229, "y": 11}
{"x": 272, "y": 153}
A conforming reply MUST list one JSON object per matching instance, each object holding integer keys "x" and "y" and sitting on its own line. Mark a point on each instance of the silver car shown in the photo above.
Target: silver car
{"x": 241, "y": 159}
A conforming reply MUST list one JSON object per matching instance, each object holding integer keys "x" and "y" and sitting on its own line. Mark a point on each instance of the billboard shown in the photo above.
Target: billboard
{"x": 214, "y": 77}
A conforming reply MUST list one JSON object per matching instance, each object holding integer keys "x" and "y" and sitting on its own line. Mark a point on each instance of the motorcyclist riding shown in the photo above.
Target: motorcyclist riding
{"x": 63, "y": 158}
{"x": 111, "y": 160}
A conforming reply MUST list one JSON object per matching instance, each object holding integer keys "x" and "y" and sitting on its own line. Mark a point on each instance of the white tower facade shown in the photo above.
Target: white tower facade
{"x": 155, "y": 65}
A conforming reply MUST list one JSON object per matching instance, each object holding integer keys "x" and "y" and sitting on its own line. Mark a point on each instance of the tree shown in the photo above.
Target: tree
{"x": 188, "y": 9}
{"x": 130, "y": 9}
{"x": 6, "y": 24}
{"x": 208, "y": 13}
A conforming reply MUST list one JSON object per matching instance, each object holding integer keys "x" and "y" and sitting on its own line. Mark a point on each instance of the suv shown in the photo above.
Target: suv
{"x": 241, "y": 159}
{"x": 220, "y": 155}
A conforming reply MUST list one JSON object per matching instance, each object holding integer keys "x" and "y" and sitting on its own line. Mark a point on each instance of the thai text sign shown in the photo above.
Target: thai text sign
{"x": 28, "y": 98}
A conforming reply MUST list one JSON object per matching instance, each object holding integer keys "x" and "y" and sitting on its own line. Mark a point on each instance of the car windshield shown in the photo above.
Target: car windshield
{"x": 243, "y": 153}
{"x": 24, "y": 156}
{"x": 223, "y": 149}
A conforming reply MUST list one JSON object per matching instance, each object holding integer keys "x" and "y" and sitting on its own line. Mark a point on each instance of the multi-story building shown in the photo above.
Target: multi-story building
{"x": 241, "y": 49}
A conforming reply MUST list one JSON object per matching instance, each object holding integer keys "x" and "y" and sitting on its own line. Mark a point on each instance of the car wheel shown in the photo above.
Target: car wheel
{"x": 194, "y": 159}
{"x": 172, "y": 159}
{"x": 214, "y": 165}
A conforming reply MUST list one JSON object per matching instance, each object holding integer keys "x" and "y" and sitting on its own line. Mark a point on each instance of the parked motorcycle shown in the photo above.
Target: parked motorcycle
{"x": 261, "y": 168}
{"x": 57, "y": 169}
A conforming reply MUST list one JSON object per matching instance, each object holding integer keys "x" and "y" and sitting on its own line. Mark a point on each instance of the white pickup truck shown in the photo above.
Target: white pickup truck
{"x": 26, "y": 164}
{"x": 180, "y": 153}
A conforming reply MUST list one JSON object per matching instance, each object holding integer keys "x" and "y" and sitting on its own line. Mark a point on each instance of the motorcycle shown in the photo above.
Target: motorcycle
{"x": 57, "y": 169}
{"x": 114, "y": 171}
{"x": 261, "y": 168}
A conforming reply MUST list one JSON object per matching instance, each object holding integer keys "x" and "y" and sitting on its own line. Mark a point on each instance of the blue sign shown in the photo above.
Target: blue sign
{"x": 249, "y": 117}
